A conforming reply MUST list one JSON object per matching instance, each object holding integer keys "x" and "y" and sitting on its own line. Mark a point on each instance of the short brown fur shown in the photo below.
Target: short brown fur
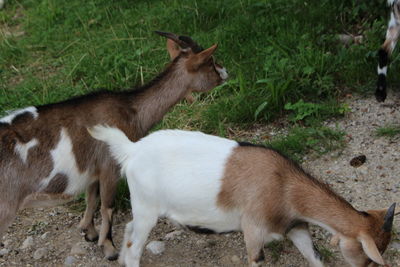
{"x": 275, "y": 193}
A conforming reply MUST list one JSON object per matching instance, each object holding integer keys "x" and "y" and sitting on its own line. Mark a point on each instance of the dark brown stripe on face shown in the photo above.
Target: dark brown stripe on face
{"x": 57, "y": 184}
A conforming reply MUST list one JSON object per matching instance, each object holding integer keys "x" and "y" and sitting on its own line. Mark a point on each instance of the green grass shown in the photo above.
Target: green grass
{"x": 283, "y": 57}
{"x": 301, "y": 140}
{"x": 389, "y": 131}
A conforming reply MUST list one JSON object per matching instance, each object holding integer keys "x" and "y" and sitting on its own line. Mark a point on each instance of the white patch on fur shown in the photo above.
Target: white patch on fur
{"x": 177, "y": 173}
{"x": 23, "y": 149}
{"x": 302, "y": 240}
{"x": 14, "y": 113}
{"x": 64, "y": 162}
{"x": 382, "y": 70}
{"x": 222, "y": 73}
{"x": 390, "y": 2}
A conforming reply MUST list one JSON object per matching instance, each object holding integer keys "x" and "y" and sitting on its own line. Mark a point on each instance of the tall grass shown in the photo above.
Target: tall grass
{"x": 275, "y": 51}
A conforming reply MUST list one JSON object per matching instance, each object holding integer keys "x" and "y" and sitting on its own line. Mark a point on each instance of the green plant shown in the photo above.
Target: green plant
{"x": 389, "y": 131}
{"x": 276, "y": 249}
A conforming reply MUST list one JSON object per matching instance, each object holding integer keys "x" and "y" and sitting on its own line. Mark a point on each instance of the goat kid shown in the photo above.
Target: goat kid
{"x": 208, "y": 182}
{"x": 47, "y": 156}
{"x": 392, "y": 35}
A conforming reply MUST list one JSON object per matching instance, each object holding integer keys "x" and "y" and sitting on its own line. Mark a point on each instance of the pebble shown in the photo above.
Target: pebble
{"x": 201, "y": 243}
{"x": 69, "y": 260}
{"x": 4, "y": 252}
{"x": 173, "y": 235}
{"x": 7, "y": 243}
{"x": 156, "y": 247}
{"x": 395, "y": 245}
{"x": 40, "y": 253}
{"x": 45, "y": 235}
{"x": 28, "y": 242}
{"x": 235, "y": 259}
{"x": 78, "y": 249}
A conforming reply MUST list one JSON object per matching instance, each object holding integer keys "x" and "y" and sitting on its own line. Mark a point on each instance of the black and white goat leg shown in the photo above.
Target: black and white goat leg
{"x": 392, "y": 35}
{"x": 87, "y": 224}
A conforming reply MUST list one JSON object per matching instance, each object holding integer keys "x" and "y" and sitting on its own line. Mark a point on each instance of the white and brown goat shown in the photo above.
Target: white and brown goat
{"x": 207, "y": 182}
{"x": 392, "y": 35}
{"x": 47, "y": 156}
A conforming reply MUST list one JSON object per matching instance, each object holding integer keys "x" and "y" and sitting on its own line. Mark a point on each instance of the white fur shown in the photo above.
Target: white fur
{"x": 174, "y": 174}
{"x": 14, "y": 113}
{"x": 23, "y": 149}
{"x": 2, "y": 3}
{"x": 382, "y": 70}
{"x": 65, "y": 163}
{"x": 390, "y": 2}
{"x": 222, "y": 73}
{"x": 302, "y": 240}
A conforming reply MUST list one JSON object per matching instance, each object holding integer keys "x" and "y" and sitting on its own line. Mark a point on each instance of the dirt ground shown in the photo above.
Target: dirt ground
{"x": 51, "y": 236}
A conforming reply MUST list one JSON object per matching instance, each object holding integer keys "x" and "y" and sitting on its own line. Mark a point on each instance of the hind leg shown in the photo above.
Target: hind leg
{"x": 7, "y": 215}
{"x": 108, "y": 188}
{"x": 87, "y": 224}
{"x": 301, "y": 238}
{"x": 136, "y": 234}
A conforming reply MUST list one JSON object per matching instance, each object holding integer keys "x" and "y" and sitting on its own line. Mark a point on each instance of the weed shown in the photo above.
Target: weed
{"x": 301, "y": 140}
{"x": 389, "y": 131}
{"x": 326, "y": 254}
{"x": 304, "y": 110}
{"x": 276, "y": 249}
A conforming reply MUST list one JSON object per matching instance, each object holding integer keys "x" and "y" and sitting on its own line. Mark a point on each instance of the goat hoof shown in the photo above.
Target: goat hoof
{"x": 109, "y": 250}
{"x": 91, "y": 239}
{"x": 113, "y": 257}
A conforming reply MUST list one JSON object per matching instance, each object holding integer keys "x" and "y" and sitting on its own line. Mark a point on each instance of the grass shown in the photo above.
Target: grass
{"x": 286, "y": 59}
{"x": 389, "y": 131}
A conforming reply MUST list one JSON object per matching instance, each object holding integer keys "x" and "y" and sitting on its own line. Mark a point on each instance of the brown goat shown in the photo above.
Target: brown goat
{"x": 47, "y": 156}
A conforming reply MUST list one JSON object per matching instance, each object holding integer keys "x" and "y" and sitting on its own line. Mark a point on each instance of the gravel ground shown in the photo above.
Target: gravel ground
{"x": 49, "y": 237}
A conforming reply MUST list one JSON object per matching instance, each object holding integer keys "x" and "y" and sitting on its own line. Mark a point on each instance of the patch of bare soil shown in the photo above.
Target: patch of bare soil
{"x": 54, "y": 240}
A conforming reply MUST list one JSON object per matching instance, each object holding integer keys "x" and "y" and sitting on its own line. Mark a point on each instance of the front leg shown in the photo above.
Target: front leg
{"x": 86, "y": 224}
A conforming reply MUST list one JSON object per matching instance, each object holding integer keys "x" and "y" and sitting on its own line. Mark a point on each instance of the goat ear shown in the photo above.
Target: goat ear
{"x": 370, "y": 249}
{"x": 173, "y": 49}
{"x": 198, "y": 59}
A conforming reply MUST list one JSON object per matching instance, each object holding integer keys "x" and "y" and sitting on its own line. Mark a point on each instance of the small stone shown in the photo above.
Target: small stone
{"x": 69, "y": 260}
{"x": 395, "y": 245}
{"x": 4, "y": 252}
{"x": 78, "y": 249}
{"x": 235, "y": 259}
{"x": 28, "y": 242}
{"x": 40, "y": 253}
{"x": 173, "y": 235}
{"x": 201, "y": 243}
{"x": 7, "y": 243}
{"x": 156, "y": 247}
{"x": 45, "y": 235}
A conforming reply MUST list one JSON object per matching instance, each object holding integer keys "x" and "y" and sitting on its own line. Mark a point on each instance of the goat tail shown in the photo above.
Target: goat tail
{"x": 120, "y": 146}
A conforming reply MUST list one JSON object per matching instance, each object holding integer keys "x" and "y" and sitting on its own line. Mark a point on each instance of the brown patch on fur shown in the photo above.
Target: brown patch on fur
{"x": 129, "y": 244}
{"x": 57, "y": 184}
{"x": 274, "y": 192}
